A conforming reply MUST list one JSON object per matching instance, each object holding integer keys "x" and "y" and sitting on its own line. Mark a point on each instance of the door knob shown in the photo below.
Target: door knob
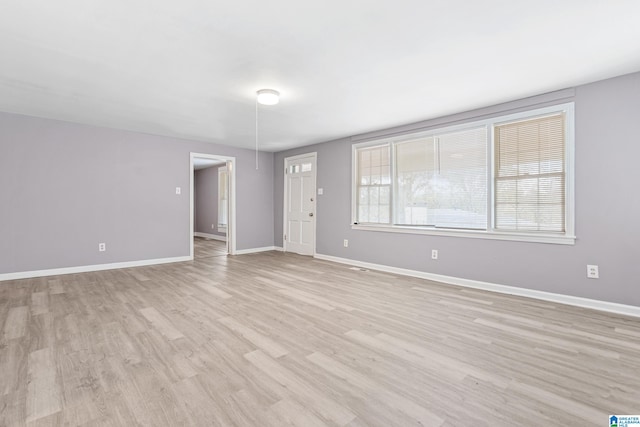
{"x": 310, "y": 213}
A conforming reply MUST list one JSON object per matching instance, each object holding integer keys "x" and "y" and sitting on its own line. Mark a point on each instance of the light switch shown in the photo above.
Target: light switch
{"x": 320, "y": 191}
{"x": 178, "y": 190}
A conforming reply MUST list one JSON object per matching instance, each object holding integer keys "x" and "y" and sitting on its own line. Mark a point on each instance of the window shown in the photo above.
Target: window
{"x": 298, "y": 168}
{"x": 441, "y": 180}
{"x": 508, "y": 177}
{"x": 530, "y": 175}
{"x": 374, "y": 185}
{"x": 223, "y": 198}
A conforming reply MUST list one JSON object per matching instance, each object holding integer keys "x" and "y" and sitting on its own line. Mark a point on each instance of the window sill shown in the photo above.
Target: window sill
{"x": 474, "y": 234}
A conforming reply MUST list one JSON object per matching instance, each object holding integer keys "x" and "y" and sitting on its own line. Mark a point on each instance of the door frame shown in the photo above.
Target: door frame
{"x": 285, "y": 209}
{"x": 231, "y": 218}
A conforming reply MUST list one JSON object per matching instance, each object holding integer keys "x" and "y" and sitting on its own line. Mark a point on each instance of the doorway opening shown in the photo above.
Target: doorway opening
{"x": 212, "y": 213}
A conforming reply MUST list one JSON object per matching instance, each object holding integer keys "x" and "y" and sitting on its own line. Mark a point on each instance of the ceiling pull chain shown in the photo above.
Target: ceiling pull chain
{"x": 264, "y": 97}
{"x": 256, "y": 133}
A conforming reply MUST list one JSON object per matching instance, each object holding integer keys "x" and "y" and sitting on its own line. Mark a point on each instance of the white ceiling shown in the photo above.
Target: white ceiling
{"x": 190, "y": 68}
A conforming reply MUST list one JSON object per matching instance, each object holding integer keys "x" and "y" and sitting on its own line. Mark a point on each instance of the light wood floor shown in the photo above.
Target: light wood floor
{"x": 204, "y": 248}
{"x": 277, "y": 339}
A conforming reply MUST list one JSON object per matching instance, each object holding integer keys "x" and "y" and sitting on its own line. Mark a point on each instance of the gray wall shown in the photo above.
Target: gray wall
{"x": 66, "y": 187}
{"x": 205, "y": 185}
{"x": 607, "y": 207}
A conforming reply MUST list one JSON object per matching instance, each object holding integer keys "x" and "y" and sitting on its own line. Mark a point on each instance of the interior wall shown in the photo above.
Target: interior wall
{"x": 607, "y": 206}
{"x": 206, "y": 201}
{"x": 67, "y": 187}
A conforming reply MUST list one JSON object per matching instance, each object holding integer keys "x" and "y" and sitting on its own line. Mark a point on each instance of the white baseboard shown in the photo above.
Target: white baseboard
{"x": 90, "y": 268}
{"x": 256, "y": 250}
{"x": 210, "y": 236}
{"x": 612, "y": 307}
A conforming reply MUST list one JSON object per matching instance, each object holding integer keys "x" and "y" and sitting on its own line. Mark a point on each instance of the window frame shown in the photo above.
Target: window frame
{"x": 566, "y": 238}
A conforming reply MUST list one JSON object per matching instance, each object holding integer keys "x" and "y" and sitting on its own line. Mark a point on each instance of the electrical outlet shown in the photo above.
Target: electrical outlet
{"x": 345, "y": 243}
{"x": 434, "y": 254}
{"x": 102, "y": 247}
{"x": 178, "y": 190}
{"x": 592, "y": 272}
{"x": 213, "y": 226}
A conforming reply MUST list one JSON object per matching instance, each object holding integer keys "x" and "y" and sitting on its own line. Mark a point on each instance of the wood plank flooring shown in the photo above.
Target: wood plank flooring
{"x": 204, "y": 248}
{"x": 275, "y": 339}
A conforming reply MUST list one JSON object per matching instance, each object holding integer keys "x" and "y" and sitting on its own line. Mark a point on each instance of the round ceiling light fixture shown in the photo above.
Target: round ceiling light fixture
{"x": 268, "y": 96}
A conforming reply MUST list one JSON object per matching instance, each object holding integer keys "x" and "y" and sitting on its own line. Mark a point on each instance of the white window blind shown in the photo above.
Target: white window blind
{"x": 442, "y": 180}
{"x": 530, "y": 175}
{"x": 373, "y": 184}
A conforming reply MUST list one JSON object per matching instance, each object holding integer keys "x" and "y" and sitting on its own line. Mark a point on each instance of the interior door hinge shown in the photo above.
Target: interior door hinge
{"x": 285, "y": 237}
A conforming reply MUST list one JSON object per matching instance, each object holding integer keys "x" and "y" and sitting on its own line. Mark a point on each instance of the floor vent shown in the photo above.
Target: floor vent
{"x": 358, "y": 269}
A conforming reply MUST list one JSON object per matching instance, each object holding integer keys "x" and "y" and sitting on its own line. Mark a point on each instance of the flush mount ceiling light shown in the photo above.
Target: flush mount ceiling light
{"x": 268, "y": 96}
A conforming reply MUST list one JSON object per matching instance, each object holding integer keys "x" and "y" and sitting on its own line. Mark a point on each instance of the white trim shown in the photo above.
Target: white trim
{"x": 90, "y": 268}
{"x": 222, "y": 171}
{"x": 210, "y": 236}
{"x": 475, "y": 234}
{"x": 301, "y": 156}
{"x": 611, "y": 307}
{"x": 231, "y": 232}
{"x": 256, "y": 250}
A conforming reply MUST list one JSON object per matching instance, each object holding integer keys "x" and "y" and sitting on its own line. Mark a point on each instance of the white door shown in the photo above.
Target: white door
{"x": 300, "y": 204}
